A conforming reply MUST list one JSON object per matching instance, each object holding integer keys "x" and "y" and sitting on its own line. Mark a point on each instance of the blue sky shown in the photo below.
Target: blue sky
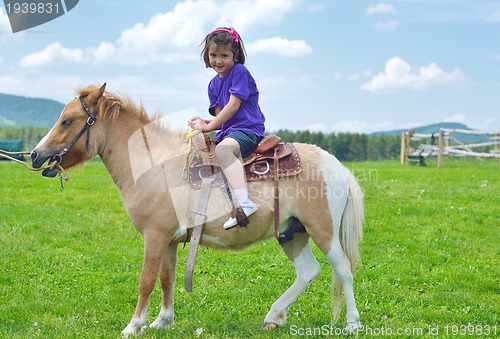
{"x": 323, "y": 65}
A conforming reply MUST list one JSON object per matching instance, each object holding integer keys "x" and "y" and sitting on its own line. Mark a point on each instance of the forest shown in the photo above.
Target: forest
{"x": 349, "y": 146}
{"x": 345, "y": 146}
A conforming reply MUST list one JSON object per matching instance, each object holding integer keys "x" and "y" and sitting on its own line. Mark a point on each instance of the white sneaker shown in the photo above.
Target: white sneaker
{"x": 248, "y": 209}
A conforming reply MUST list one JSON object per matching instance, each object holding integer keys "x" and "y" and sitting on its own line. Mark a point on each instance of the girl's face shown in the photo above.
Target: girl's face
{"x": 221, "y": 58}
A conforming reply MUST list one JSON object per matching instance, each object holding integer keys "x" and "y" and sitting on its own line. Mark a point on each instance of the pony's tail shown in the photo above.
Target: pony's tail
{"x": 350, "y": 234}
{"x": 336, "y": 298}
{"x": 351, "y": 226}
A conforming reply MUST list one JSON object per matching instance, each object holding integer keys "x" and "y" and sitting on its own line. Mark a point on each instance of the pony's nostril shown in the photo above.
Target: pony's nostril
{"x": 33, "y": 155}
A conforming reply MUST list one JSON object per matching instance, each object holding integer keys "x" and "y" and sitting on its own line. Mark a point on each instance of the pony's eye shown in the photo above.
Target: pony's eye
{"x": 67, "y": 122}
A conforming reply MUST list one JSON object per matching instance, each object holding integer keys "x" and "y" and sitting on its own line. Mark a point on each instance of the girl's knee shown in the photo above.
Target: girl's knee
{"x": 227, "y": 148}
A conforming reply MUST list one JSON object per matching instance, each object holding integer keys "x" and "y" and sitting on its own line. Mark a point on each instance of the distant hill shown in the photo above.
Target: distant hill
{"x": 22, "y": 111}
{"x": 434, "y": 128}
{"x": 427, "y": 129}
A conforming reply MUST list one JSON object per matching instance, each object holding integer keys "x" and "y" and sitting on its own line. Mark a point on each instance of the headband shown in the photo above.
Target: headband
{"x": 231, "y": 31}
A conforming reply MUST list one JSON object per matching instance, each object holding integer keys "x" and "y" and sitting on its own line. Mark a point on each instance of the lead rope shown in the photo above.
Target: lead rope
{"x": 62, "y": 172}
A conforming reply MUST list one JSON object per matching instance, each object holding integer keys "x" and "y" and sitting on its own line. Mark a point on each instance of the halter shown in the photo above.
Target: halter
{"x": 90, "y": 121}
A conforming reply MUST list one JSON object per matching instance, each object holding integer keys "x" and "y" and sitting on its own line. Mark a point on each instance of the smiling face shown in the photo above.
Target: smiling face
{"x": 221, "y": 58}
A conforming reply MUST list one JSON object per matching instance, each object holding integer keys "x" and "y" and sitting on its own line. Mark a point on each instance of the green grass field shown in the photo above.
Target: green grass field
{"x": 70, "y": 261}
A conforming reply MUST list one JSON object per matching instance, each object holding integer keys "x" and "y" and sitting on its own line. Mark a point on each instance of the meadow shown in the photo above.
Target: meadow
{"x": 70, "y": 261}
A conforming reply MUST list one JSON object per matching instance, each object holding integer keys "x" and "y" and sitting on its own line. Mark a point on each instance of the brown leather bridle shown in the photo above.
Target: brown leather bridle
{"x": 86, "y": 129}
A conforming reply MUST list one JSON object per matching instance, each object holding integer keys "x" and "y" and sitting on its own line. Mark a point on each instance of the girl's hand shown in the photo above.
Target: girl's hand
{"x": 198, "y": 123}
{"x": 192, "y": 122}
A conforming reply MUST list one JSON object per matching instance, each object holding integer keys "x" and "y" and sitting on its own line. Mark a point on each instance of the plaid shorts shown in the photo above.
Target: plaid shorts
{"x": 247, "y": 141}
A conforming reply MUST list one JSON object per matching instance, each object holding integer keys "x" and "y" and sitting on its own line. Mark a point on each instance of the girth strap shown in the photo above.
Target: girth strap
{"x": 199, "y": 218}
{"x": 276, "y": 196}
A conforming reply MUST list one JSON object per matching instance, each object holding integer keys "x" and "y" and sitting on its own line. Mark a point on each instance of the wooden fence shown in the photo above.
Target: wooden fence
{"x": 447, "y": 145}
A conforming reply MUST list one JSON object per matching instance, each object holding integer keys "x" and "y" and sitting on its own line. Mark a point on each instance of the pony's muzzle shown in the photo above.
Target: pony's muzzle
{"x": 38, "y": 159}
{"x": 35, "y": 159}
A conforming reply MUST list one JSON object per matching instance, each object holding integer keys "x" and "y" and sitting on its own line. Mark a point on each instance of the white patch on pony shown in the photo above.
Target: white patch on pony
{"x": 307, "y": 266}
{"x": 307, "y": 269}
{"x": 339, "y": 180}
{"x": 44, "y": 139}
{"x": 337, "y": 187}
{"x": 136, "y": 325}
{"x": 165, "y": 318}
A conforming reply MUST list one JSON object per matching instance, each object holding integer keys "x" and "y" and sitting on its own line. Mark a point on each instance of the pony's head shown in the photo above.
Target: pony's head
{"x": 68, "y": 143}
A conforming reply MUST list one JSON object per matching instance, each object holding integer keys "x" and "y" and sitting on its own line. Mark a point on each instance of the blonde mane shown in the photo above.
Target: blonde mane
{"x": 112, "y": 105}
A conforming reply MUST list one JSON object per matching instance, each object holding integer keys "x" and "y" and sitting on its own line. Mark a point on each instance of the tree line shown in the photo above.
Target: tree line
{"x": 345, "y": 146}
{"x": 349, "y": 146}
{"x": 28, "y": 134}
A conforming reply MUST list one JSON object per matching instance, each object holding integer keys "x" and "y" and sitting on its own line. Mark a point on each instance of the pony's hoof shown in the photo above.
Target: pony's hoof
{"x": 127, "y": 332}
{"x": 268, "y": 326}
{"x": 353, "y": 327}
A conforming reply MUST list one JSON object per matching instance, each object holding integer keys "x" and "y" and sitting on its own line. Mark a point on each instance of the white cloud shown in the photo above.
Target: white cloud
{"x": 243, "y": 14}
{"x": 184, "y": 28}
{"x": 11, "y": 84}
{"x": 494, "y": 15}
{"x": 399, "y": 75}
{"x": 381, "y": 8}
{"x": 173, "y": 37}
{"x": 105, "y": 51}
{"x": 280, "y": 46}
{"x": 54, "y": 54}
{"x": 386, "y": 25}
{"x": 62, "y": 87}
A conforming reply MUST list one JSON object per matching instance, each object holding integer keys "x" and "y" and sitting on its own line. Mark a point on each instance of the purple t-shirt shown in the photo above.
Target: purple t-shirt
{"x": 240, "y": 83}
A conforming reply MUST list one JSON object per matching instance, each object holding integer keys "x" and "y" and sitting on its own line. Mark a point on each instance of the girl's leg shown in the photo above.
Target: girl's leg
{"x": 229, "y": 155}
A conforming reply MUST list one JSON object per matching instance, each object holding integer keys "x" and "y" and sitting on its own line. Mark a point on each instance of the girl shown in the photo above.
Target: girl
{"x": 234, "y": 101}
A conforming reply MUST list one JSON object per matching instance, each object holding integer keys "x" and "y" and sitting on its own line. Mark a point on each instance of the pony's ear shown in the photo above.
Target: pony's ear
{"x": 94, "y": 96}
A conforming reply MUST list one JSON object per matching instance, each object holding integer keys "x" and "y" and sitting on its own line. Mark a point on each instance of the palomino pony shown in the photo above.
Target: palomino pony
{"x": 324, "y": 201}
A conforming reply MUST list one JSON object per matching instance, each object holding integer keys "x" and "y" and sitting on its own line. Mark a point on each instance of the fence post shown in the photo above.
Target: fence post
{"x": 440, "y": 148}
{"x": 403, "y": 155}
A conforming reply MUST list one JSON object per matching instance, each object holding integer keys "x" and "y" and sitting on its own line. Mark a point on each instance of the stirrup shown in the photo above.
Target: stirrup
{"x": 241, "y": 217}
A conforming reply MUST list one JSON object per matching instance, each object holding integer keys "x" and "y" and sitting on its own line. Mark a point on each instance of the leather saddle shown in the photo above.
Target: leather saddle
{"x": 271, "y": 159}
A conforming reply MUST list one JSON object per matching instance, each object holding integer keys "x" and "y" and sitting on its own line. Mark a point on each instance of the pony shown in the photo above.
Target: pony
{"x": 323, "y": 202}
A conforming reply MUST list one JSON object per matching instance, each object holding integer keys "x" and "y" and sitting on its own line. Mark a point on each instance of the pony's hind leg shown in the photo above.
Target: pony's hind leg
{"x": 342, "y": 271}
{"x": 307, "y": 269}
{"x": 167, "y": 280}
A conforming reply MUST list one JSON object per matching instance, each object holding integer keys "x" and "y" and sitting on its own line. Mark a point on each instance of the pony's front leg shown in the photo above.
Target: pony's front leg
{"x": 167, "y": 280}
{"x": 154, "y": 248}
